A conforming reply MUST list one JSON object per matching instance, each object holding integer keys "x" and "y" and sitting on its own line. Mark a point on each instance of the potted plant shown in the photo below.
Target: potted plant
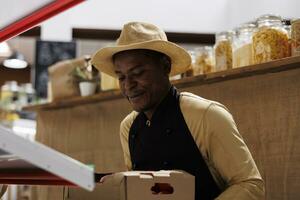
{"x": 87, "y": 77}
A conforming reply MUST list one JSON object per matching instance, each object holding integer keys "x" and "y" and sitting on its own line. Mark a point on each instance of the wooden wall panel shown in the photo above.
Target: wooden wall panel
{"x": 266, "y": 109}
{"x": 89, "y": 133}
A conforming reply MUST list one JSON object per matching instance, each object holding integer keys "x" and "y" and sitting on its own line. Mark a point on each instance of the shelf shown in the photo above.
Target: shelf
{"x": 75, "y": 101}
{"x": 269, "y": 67}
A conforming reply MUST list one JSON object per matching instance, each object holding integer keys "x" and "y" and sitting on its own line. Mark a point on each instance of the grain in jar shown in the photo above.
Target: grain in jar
{"x": 295, "y": 37}
{"x": 270, "y": 41}
{"x": 204, "y": 59}
{"x": 190, "y": 71}
{"x": 223, "y": 51}
{"x": 242, "y": 45}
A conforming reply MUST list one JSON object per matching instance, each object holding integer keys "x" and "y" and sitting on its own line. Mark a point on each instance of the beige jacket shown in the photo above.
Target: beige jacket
{"x": 220, "y": 143}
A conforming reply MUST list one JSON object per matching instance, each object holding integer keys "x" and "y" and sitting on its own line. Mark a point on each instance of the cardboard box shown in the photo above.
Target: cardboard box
{"x": 140, "y": 185}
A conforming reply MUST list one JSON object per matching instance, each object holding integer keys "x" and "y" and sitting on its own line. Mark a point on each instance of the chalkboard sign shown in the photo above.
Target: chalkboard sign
{"x": 47, "y": 54}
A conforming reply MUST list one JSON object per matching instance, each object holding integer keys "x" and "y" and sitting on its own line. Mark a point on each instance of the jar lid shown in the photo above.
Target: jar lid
{"x": 296, "y": 20}
{"x": 12, "y": 85}
{"x": 27, "y": 87}
{"x": 269, "y": 17}
{"x": 269, "y": 20}
{"x": 203, "y": 48}
{"x": 225, "y": 34}
{"x": 286, "y": 21}
{"x": 247, "y": 27}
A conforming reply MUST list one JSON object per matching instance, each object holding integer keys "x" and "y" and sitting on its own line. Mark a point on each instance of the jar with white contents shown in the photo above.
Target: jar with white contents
{"x": 242, "y": 47}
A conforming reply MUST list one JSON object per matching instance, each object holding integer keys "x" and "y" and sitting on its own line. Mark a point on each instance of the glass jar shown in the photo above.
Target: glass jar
{"x": 295, "y": 37}
{"x": 287, "y": 26}
{"x": 270, "y": 41}
{"x": 288, "y": 30}
{"x": 26, "y": 94}
{"x": 190, "y": 71}
{"x": 242, "y": 46}
{"x": 223, "y": 50}
{"x": 203, "y": 60}
{"x": 9, "y": 90}
{"x": 9, "y": 95}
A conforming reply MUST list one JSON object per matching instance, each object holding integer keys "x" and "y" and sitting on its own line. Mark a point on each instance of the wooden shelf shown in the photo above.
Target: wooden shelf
{"x": 269, "y": 67}
{"x": 75, "y": 101}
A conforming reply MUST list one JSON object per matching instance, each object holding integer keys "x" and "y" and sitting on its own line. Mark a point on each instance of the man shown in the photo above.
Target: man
{"x": 172, "y": 130}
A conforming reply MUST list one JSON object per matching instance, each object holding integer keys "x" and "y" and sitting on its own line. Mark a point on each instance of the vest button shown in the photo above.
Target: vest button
{"x": 132, "y": 136}
{"x": 168, "y": 131}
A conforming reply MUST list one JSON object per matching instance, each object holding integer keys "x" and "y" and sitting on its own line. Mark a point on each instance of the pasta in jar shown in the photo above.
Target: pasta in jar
{"x": 296, "y": 37}
{"x": 223, "y": 51}
{"x": 271, "y": 41}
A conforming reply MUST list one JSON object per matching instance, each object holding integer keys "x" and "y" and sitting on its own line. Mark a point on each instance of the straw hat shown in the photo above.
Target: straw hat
{"x": 140, "y": 35}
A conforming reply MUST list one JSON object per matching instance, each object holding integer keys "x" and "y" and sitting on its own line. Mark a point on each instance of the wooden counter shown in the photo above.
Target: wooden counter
{"x": 264, "y": 99}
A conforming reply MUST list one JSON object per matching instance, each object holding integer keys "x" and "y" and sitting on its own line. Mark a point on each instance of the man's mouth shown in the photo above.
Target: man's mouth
{"x": 135, "y": 96}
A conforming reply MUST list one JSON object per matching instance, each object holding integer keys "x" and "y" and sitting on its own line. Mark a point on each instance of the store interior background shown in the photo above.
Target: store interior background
{"x": 190, "y": 16}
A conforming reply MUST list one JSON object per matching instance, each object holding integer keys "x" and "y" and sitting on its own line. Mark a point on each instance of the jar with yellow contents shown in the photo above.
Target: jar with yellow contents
{"x": 295, "y": 35}
{"x": 271, "y": 40}
{"x": 242, "y": 45}
{"x": 223, "y": 50}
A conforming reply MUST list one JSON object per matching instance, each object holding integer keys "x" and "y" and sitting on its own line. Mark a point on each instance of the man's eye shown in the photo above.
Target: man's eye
{"x": 121, "y": 78}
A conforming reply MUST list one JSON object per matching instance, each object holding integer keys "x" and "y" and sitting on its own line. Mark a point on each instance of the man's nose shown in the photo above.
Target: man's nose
{"x": 129, "y": 83}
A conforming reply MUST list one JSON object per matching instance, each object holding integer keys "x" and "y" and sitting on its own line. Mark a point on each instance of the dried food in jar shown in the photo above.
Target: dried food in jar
{"x": 271, "y": 41}
{"x": 203, "y": 63}
{"x": 242, "y": 56}
{"x": 295, "y": 37}
{"x": 242, "y": 45}
{"x": 270, "y": 44}
{"x": 223, "y": 55}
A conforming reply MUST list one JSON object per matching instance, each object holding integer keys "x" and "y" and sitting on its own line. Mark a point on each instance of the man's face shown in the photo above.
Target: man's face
{"x": 142, "y": 79}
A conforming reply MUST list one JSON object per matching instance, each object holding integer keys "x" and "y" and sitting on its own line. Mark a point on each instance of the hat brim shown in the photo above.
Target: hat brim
{"x": 180, "y": 58}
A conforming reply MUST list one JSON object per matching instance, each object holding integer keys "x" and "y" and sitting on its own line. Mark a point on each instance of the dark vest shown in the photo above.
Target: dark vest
{"x": 166, "y": 143}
